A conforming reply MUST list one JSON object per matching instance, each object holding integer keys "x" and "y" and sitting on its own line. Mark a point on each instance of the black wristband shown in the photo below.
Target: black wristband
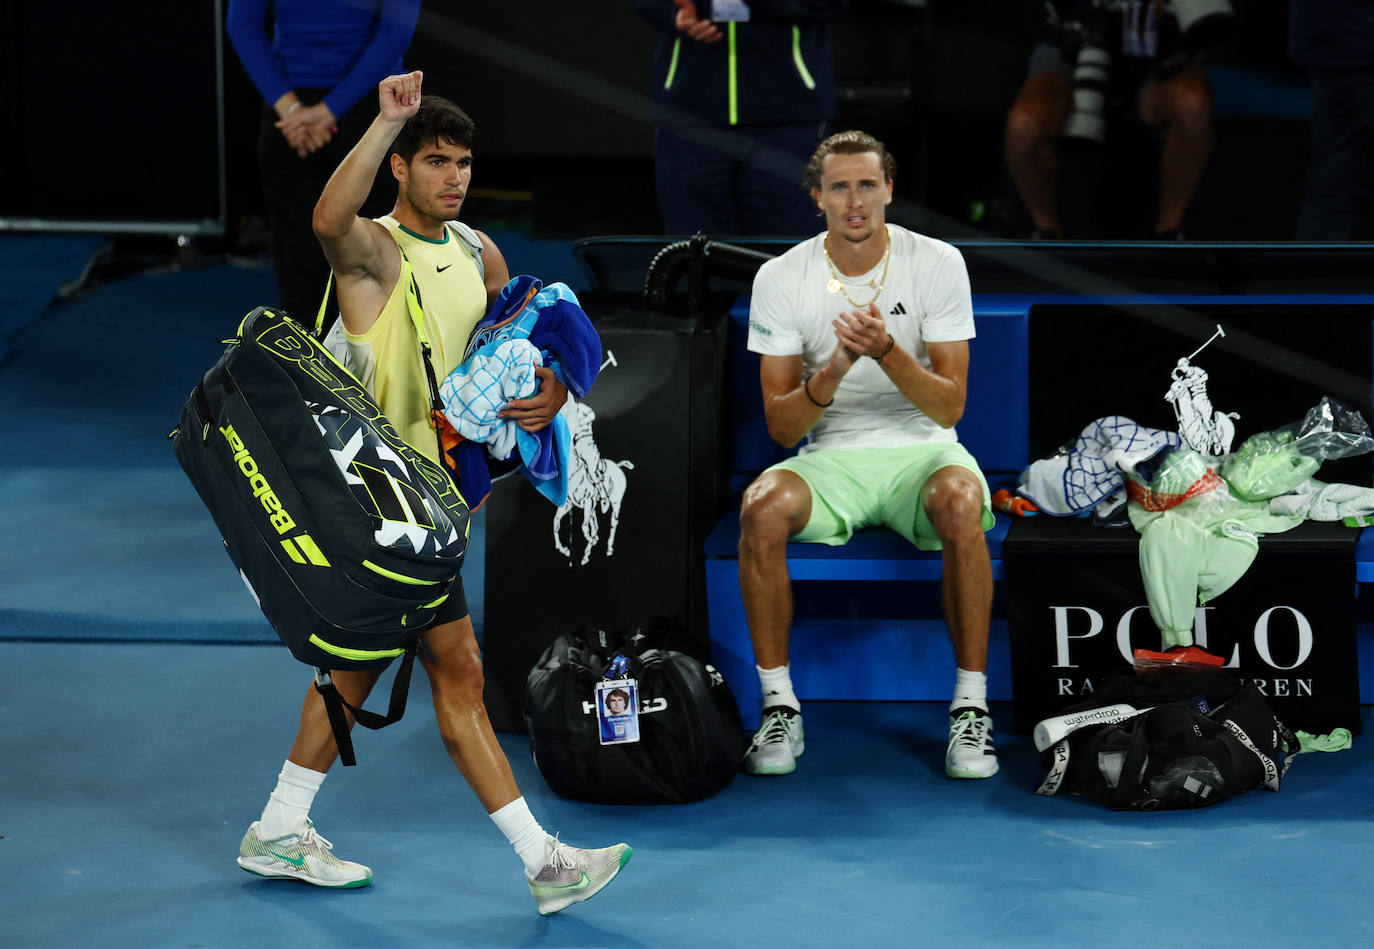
{"x": 886, "y": 349}
{"x": 806, "y": 387}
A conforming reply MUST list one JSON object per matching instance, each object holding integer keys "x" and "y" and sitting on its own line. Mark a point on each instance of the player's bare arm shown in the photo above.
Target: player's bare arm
{"x": 939, "y": 391}
{"x": 363, "y": 256}
{"x": 792, "y": 406}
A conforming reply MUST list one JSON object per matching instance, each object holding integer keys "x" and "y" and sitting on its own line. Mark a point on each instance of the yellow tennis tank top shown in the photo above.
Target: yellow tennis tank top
{"x": 387, "y": 357}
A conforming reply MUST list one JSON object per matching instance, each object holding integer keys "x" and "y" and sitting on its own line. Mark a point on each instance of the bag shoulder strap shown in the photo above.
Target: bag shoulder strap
{"x": 415, "y": 309}
{"x": 437, "y": 419}
{"x": 334, "y": 704}
{"x": 469, "y": 239}
{"x": 329, "y": 294}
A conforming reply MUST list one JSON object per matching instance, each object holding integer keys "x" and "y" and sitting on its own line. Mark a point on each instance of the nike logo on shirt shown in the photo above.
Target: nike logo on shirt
{"x": 438, "y": 269}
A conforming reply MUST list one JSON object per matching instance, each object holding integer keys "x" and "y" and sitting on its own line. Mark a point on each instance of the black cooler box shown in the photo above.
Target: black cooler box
{"x": 1076, "y": 609}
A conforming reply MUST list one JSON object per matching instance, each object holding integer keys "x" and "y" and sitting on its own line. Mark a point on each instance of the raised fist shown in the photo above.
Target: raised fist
{"x": 399, "y": 96}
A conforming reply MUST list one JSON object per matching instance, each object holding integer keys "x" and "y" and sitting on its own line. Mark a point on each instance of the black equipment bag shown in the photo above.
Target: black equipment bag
{"x": 691, "y": 736}
{"x": 349, "y": 538}
{"x": 1171, "y": 739}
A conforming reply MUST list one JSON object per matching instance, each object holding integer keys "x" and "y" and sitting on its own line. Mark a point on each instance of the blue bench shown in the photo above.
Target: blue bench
{"x": 900, "y": 642}
{"x": 900, "y": 650}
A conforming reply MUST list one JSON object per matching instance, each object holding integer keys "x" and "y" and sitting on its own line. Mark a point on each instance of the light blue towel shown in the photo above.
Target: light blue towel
{"x": 481, "y": 387}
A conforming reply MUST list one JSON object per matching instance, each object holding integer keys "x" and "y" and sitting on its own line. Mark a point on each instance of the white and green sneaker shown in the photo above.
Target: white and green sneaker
{"x": 777, "y": 744}
{"x": 570, "y": 875}
{"x": 970, "y": 753}
{"x": 304, "y": 856}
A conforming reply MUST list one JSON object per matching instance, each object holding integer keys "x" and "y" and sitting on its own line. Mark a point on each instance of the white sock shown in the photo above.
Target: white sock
{"x": 777, "y": 687}
{"x": 524, "y": 834}
{"x": 288, "y": 808}
{"x": 970, "y": 690}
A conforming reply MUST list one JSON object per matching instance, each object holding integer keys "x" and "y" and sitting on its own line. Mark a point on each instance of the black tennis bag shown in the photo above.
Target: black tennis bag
{"x": 348, "y": 538}
{"x": 1166, "y": 740}
{"x": 691, "y": 736}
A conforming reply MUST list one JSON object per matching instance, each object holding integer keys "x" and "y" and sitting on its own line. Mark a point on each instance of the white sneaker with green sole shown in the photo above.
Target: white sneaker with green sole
{"x": 305, "y": 856}
{"x": 571, "y": 875}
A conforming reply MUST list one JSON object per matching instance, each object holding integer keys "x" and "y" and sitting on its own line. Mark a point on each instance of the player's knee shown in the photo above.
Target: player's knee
{"x": 766, "y": 512}
{"x": 454, "y": 663}
{"x": 465, "y": 676}
{"x": 955, "y": 506}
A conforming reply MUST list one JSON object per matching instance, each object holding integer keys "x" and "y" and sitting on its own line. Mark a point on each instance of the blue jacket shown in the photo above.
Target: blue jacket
{"x": 337, "y": 45}
{"x": 777, "y": 67}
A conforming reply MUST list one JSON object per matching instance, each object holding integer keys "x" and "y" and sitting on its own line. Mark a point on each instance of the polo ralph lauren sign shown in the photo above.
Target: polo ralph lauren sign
{"x": 1077, "y": 609}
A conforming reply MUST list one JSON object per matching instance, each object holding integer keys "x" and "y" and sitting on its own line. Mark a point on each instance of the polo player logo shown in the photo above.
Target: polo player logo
{"x": 1200, "y": 426}
{"x": 595, "y": 487}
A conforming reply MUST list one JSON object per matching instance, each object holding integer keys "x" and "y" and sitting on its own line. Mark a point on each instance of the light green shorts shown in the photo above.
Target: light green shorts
{"x": 871, "y": 487}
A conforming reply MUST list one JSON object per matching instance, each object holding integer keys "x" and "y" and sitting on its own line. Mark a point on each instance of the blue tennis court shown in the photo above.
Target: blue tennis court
{"x": 146, "y": 707}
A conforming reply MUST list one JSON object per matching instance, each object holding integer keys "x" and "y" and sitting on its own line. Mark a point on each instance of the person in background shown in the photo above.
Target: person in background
{"x": 741, "y": 99}
{"x": 863, "y": 333}
{"x": 314, "y": 62}
{"x": 1334, "y": 39}
{"x": 1146, "y": 69}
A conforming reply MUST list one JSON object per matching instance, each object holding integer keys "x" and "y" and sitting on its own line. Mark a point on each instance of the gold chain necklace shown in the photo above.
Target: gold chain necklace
{"x": 836, "y": 285}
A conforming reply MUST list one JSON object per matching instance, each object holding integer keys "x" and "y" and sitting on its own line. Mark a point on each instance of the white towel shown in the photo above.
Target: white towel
{"x": 1089, "y": 471}
{"x": 477, "y": 390}
{"x": 1318, "y": 501}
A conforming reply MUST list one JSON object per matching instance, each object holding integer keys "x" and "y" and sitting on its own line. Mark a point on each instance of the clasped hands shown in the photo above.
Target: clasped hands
{"x": 306, "y": 128}
{"x": 859, "y": 333}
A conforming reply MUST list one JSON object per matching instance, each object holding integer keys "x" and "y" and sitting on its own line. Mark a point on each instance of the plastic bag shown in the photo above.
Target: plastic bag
{"x": 1331, "y": 430}
{"x": 1169, "y": 477}
{"x": 1275, "y": 462}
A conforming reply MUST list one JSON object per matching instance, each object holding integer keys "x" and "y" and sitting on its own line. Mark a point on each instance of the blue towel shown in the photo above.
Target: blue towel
{"x": 554, "y": 324}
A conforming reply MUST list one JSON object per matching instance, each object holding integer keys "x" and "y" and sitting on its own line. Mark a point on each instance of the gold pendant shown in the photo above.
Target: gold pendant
{"x": 833, "y": 285}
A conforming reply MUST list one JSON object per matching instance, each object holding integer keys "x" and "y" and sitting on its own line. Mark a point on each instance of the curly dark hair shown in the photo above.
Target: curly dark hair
{"x": 852, "y": 142}
{"x": 439, "y": 121}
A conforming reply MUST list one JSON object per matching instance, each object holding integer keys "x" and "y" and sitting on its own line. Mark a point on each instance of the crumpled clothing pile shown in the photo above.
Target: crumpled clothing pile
{"x": 1199, "y": 526}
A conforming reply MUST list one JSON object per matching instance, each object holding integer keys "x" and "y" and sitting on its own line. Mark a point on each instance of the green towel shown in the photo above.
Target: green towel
{"x": 1338, "y": 740}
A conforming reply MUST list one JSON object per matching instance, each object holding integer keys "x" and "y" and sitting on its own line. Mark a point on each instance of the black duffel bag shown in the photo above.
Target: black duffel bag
{"x": 1166, "y": 740}
{"x": 691, "y": 736}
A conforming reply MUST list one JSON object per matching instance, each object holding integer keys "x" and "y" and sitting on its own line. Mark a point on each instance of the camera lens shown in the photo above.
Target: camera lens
{"x": 1090, "y": 73}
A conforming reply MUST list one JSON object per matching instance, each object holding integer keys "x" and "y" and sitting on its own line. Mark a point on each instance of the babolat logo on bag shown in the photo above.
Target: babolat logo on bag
{"x": 349, "y": 538}
{"x": 261, "y": 489}
{"x": 301, "y": 548}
